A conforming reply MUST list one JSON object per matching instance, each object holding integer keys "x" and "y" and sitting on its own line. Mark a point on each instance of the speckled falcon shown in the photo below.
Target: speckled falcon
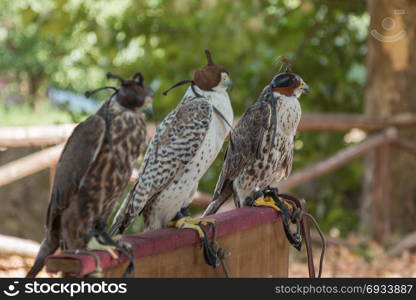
{"x": 94, "y": 169}
{"x": 261, "y": 151}
{"x": 184, "y": 146}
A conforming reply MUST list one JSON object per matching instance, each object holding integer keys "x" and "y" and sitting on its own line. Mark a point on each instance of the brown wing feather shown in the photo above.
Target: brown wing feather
{"x": 244, "y": 147}
{"x": 79, "y": 153}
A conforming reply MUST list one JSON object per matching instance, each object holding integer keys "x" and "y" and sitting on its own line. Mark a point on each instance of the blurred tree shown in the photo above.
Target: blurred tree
{"x": 72, "y": 43}
{"x": 390, "y": 90}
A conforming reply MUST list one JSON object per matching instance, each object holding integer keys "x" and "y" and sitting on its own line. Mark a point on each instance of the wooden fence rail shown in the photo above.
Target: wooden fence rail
{"x": 35, "y": 136}
{"x": 30, "y": 164}
{"x": 48, "y": 135}
{"x": 345, "y": 122}
{"x": 339, "y": 159}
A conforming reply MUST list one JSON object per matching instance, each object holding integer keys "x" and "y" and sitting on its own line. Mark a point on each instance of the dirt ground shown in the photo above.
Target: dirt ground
{"x": 365, "y": 260}
{"x": 17, "y": 266}
{"x": 362, "y": 260}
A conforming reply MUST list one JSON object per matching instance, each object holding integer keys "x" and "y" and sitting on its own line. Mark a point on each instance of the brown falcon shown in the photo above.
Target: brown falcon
{"x": 261, "y": 150}
{"x": 184, "y": 146}
{"x": 94, "y": 169}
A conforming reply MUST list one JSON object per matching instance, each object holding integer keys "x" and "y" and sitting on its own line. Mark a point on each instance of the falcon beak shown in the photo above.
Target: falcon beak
{"x": 228, "y": 83}
{"x": 305, "y": 88}
{"x": 148, "y": 108}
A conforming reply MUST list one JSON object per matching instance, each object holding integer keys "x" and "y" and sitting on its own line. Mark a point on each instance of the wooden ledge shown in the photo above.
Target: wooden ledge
{"x": 253, "y": 235}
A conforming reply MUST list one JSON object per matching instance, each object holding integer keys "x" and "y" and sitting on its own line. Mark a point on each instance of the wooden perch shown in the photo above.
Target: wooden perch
{"x": 338, "y": 160}
{"x": 177, "y": 253}
{"x": 30, "y": 164}
{"x": 15, "y": 245}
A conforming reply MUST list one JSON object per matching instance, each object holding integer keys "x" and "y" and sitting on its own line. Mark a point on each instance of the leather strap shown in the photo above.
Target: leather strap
{"x": 305, "y": 231}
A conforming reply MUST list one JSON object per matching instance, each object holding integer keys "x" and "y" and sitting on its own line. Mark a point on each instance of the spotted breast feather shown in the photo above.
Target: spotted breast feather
{"x": 174, "y": 145}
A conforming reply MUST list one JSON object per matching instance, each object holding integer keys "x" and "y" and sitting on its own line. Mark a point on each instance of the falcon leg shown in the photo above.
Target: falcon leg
{"x": 109, "y": 244}
{"x": 210, "y": 249}
{"x": 94, "y": 244}
{"x": 101, "y": 240}
{"x": 184, "y": 212}
{"x": 269, "y": 197}
{"x": 98, "y": 239}
{"x": 186, "y": 222}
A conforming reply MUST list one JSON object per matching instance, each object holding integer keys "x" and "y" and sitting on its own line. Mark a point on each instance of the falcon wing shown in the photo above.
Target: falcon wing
{"x": 79, "y": 153}
{"x": 244, "y": 147}
{"x": 174, "y": 145}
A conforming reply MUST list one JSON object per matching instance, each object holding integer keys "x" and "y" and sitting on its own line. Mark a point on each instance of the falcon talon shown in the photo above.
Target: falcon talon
{"x": 189, "y": 223}
{"x": 265, "y": 201}
{"x": 117, "y": 238}
{"x": 106, "y": 242}
{"x": 208, "y": 221}
{"x": 124, "y": 245}
{"x": 94, "y": 244}
{"x": 210, "y": 249}
{"x": 270, "y": 198}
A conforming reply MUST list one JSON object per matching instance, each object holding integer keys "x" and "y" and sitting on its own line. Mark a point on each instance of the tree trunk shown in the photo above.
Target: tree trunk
{"x": 389, "y": 202}
{"x": 35, "y": 79}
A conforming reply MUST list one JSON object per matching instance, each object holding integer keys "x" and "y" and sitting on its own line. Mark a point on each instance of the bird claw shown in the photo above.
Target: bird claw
{"x": 210, "y": 249}
{"x": 120, "y": 243}
{"x": 268, "y": 198}
{"x": 94, "y": 244}
{"x": 192, "y": 223}
{"x": 266, "y": 201}
{"x": 117, "y": 238}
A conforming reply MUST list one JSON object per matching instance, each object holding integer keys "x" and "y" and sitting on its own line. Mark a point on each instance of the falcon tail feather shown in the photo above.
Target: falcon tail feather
{"x": 219, "y": 199}
{"x": 47, "y": 248}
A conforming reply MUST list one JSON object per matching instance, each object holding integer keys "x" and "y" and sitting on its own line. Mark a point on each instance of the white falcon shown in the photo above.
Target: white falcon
{"x": 183, "y": 148}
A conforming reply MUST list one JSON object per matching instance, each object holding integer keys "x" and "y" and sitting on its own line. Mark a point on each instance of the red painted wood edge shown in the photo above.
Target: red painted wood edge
{"x": 167, "y": 239}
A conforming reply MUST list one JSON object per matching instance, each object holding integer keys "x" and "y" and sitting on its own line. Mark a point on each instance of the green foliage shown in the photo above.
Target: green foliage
{"x": 22, "y": 115}
{"x": 72, "y": 43}
{"x": 364, "y": 250}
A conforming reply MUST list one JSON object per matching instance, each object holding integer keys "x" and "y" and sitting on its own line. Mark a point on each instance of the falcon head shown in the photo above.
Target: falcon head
{"x": 288, "y": 84}
{"x": 212, "y": 77}
{"x": 133, "y": 93}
